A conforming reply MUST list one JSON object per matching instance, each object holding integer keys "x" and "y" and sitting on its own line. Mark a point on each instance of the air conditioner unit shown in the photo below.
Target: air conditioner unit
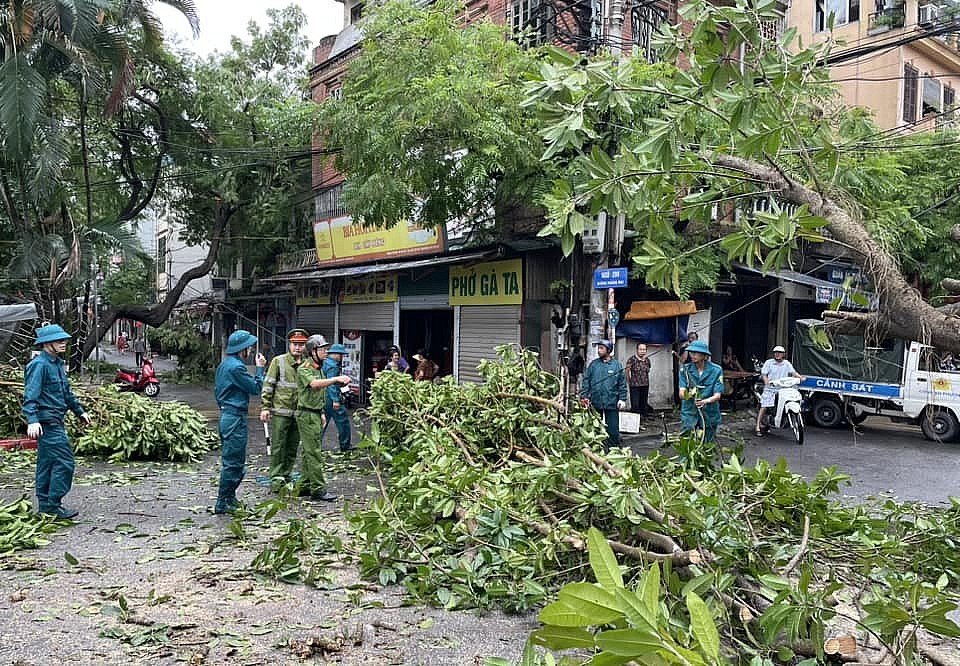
{"x": 928, "y": 14}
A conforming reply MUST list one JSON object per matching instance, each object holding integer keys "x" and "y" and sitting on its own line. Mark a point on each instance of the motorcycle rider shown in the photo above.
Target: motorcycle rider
{"x": 311, "y": 396}
{"x": 278, "y": 401}
{"x": 773, "y": 369}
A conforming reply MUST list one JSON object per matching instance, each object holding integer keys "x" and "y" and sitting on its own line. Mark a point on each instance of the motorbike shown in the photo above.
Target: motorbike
{"x": 786, "y": 411}
{"x": 145, "y": 381}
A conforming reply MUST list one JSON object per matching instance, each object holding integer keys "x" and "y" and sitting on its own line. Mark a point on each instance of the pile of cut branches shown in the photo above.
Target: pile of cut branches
{"x": 125, "y": 426}
{"x": 489, "y": 492}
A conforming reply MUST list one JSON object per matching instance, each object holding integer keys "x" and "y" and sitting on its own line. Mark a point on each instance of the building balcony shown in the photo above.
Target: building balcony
{"x": 297, "y": 261}
{"x": 890, "y": 18}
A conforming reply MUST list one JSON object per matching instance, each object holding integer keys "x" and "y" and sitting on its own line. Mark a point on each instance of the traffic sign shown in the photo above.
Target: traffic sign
{"x": 609, "y": 278}
{"x": 613, "y": 317}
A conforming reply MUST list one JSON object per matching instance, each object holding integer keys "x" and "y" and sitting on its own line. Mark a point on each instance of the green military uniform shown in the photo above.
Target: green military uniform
{"x": 279, "y": 395}
{"x": 310, "y": 420}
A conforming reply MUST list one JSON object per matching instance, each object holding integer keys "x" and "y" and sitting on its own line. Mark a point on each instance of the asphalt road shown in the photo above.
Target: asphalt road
{"x": 881, "y": 457}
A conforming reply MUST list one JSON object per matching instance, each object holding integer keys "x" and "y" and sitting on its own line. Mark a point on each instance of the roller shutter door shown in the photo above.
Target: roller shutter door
{"x": 316, "y": 319}
{"x": 366, "y": 316}
{"x": 482, "y": 329}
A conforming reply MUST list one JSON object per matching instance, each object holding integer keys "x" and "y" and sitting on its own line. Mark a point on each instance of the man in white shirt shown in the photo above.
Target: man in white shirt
{"x": 773, "y": 369}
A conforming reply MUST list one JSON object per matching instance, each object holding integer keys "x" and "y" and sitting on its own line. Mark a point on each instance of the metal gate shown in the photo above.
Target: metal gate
{"x": 317, "y": 319}
{"x": 366, "y": 316}
{"x": 482, "y": 328}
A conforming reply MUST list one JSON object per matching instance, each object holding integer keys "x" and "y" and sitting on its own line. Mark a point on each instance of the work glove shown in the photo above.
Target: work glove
{"x": 621, "y": 404}
{"x": 85, "y": 418}
{"x": 34, "y": 430}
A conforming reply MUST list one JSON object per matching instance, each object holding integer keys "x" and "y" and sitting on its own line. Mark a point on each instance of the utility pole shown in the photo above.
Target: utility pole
{"x": 96, "y": 320}
{"x": 603, "y": 313}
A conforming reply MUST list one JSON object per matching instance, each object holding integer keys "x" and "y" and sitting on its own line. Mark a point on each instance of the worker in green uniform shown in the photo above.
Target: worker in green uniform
{"x": 46, "y": 399}
{"x": 311, "y": 394}
{"x": 278, "y": 402}
{"x": 232, "y": 388}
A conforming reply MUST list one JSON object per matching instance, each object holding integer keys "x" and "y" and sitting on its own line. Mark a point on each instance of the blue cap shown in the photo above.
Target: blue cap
{"x": 240, "y": 340}
{"x": 699, "y": 346}
{"x": 607, "y": 344}
{"x": 51, "y": 333}
{"x": 337, "y": 349}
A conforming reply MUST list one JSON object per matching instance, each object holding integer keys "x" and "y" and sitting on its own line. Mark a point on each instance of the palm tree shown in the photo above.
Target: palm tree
{"x": 56, "y": 51}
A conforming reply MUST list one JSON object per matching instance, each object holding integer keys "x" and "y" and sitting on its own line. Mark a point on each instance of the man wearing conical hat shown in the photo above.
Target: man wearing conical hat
{"x": 46, "y": 398}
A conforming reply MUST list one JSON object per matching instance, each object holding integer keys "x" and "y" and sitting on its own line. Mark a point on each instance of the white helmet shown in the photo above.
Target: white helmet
{"x": 779, "y": 348}
{"x": 315, "y": 341}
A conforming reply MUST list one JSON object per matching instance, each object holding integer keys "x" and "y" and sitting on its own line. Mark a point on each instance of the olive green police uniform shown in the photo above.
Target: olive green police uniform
{"x": 310, "y": 420}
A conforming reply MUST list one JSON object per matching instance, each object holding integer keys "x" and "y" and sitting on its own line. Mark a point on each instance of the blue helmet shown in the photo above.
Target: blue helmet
{"x": 51, "y": 333}
{"x": 240, "y": 340}
{"x": 337, "y": 349}
{"x": 606, "y": 343}
{"x": 699, "y": 346}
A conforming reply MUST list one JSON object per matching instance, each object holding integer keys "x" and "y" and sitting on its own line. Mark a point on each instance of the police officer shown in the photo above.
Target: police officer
{"x": 46, "y": 398}
{"x": 311, "y": 394}
{"x": 278, "y": 401}
{"x": 232, "y": 389}
{"x": 333, "y": 367}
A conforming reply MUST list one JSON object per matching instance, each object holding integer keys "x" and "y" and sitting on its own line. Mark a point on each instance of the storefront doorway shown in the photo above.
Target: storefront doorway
{"x": 431, "y": 330}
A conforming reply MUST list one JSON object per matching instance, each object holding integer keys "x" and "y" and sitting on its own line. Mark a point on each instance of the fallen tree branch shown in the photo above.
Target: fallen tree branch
{"x": 801, "y": 550}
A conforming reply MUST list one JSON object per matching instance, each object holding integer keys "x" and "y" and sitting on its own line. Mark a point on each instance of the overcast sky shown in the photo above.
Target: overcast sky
{"x": 219, "y": 19}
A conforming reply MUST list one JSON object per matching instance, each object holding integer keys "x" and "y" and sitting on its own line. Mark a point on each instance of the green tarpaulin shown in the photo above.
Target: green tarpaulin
{"x": 847, "y": 356}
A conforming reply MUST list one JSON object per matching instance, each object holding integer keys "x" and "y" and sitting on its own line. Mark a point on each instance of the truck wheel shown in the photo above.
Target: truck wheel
{"x": 827, "y": 412}
{"x": 939, "y": 425}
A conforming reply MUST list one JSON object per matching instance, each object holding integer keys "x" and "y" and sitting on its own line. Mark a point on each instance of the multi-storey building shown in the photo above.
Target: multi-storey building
{"x": 899, "y": 58}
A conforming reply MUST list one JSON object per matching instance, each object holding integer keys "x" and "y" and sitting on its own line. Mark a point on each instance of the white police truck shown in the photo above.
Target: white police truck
{"x": 846, "y": 380}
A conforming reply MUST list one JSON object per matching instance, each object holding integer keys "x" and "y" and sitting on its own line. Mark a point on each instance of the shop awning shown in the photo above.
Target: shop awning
{"x": 826, "y": 291}
{"x": 641, "y": 310}
{"x": 370, "y": 269}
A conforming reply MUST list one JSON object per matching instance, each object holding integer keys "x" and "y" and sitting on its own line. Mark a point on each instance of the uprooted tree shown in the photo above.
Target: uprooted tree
{"x": 738, "y": 116}
{"x": 726, "y": 115}
{"x": 496, "y": 492}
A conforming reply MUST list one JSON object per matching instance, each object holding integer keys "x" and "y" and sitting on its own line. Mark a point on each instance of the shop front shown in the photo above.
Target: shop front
{"x": 488, "y": 301}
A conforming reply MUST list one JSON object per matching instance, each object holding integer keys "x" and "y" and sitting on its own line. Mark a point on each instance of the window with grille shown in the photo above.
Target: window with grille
{"x": 911, "y": 90}
{"x": 533, "y": 22}
{"x": 842, "y": 11}
{"x": 645, "y": 20}
{"x": 329, "y": 204}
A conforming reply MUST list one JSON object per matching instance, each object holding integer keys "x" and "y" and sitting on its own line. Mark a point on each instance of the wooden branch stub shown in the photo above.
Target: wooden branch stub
{"x": 845, "y": 645}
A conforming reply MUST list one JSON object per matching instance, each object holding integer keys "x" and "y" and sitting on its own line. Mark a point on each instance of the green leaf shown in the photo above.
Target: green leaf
{"x": 703, "y": 626}
{"x": 563, "y": 638}
{"x": 629, "y": 642}
{"x": 650, "y": 589}
{"x": 22, "y": 91}
{"x": 591, "y": 601}
{"x": 70, "y": 559}
{"x": 560, "y": 614}
{"x": 603, "y": 561}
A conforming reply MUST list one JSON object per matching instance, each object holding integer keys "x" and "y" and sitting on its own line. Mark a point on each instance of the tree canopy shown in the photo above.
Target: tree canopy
{"x": 726, "y": 116}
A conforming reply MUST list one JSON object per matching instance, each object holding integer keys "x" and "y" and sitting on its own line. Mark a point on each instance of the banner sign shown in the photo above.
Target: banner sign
{"x": 315, "y": 293}
{"x": 490, "y": 283}
{"x": 374, "y": 289}
{"x": 353, "y": 341}
{"x": 851, "y": 387}
{"x": 340, "y": 241}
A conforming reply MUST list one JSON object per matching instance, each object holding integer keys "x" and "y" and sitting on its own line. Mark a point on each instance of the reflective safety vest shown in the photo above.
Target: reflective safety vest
{"x": 279, "y": 393}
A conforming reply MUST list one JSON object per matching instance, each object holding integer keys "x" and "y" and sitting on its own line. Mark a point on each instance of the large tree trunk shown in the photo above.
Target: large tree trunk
{"x": 902, "y": 312}
{"x": 156, "y": 315}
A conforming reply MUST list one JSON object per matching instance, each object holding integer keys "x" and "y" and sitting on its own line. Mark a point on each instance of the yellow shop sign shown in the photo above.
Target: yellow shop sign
{"x": 340, "y": 241}
{"x": 317, "y": 293}
{"x": 374, "y": 289}
{"x": 490, "y": 283}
